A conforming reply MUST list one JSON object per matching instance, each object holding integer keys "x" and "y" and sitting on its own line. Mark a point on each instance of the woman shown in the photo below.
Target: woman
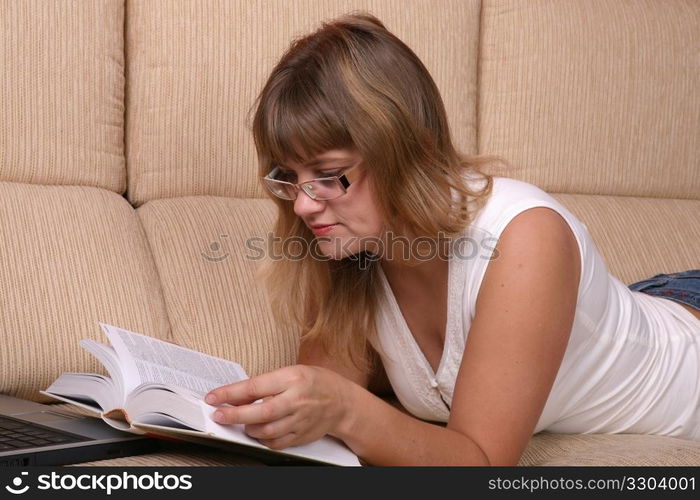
{"x": 482, "y": 299}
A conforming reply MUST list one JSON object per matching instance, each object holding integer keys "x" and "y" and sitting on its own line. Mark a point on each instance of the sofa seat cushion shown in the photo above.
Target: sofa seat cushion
{"x": 544, "y": 449}
{"x": 182, "y": 455}
{"x": 71, "y": 257}
{"x": 610, "y": 449}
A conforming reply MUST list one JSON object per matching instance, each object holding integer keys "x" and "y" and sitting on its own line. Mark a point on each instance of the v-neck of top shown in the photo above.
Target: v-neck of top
{"x": 435, "y": 388}
{"x": 405, "y": 331}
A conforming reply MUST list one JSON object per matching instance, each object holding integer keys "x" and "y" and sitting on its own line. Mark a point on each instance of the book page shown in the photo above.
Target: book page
{"x": 108, "y": 357}
{"x": 90, "y": 391}
{"x": 326, "y": 449}
{"x": 149, "y": 360}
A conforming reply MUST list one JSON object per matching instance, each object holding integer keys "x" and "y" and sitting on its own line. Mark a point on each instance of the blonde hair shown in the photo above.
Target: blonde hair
{"x": 353, "y": 84}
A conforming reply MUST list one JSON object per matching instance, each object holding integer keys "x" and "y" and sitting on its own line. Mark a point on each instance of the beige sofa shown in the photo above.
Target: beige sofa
{"x": 128, "y": 181}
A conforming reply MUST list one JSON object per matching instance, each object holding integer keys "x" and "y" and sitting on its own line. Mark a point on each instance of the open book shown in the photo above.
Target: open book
{"x": 157, "y": 388}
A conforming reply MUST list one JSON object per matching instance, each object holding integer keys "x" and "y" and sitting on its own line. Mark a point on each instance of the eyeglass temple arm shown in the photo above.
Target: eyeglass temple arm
{"x": 273, "y": 173}
{"x": 348, "y": 177}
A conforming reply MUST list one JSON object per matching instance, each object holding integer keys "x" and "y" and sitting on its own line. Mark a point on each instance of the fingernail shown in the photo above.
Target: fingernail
{"x": 219, "y": 416}
{"x": 210, "y": 399}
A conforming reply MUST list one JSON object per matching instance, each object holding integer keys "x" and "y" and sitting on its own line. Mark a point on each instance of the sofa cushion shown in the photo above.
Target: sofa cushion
{"x": 179, "y": 455}
{"x": 71, "y": 257}
{"x": 640, "y": 237}
{"x": 207, "y": 251}
{"x": 594, "y": 96}
{"x": 543, "y": 449}
{"x": 195, "y": 69}
{"x": 547, "y": 449}
{"x": 62, "y": 93}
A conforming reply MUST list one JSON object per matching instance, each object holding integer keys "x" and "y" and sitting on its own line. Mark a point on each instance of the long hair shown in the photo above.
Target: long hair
{"x": 353, "y": 84}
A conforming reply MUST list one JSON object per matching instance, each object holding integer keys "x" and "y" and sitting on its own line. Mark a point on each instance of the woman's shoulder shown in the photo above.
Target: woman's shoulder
{"x": 515, "y": 189}
{"x": 508, "y": 194}
{"x": 504, "y": 188}
{"x": 509, "y": 198}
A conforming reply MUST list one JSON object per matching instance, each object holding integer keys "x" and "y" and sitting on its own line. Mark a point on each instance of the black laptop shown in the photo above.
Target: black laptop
{"x": 37, "y": 434}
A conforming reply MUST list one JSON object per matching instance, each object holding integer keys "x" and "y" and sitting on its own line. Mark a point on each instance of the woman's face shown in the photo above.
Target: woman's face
{"x": 345, "y": 225}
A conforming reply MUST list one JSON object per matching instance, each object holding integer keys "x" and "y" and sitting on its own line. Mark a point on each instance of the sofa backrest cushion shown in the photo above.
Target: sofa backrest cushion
{"x": 594, "y": 96}
{"x": 207, "y": 250}
{"x": 62, "y": 93}
{"x": 195, "y": 69}
{"x": 72, "y": 256}
{"x": 640, "y": 237}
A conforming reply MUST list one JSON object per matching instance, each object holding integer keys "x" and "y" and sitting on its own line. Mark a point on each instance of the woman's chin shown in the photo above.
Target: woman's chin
{"x": 334, "y": 248}
{"x": 330, "y": 254}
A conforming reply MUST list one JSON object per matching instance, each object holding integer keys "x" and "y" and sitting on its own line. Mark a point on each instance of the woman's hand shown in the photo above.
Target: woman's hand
{"x": 300, "y": 404}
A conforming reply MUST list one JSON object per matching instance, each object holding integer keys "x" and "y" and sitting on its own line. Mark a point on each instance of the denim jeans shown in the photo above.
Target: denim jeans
{"x": 683, "y": 287}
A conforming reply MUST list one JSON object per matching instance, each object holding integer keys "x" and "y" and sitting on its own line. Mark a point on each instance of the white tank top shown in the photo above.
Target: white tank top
{"x": 632, "y": 363}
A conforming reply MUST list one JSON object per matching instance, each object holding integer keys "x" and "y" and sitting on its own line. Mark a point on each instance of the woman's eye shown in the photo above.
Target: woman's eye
{"x": 330, "y": 174}
{"x": 286, "y": 176}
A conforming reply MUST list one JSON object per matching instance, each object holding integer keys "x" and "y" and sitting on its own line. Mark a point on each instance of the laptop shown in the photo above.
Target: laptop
{"x": 37, "y": 434}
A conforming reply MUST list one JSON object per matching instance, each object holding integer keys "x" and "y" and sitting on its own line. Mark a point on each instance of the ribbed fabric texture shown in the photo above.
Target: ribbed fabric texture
{"x": 547, "y": 449}
{"x": 195, "y": 69}
{"x": 593, "y": 96}
{"x": 544, "y": 449}
{"x": 205, "y": 249}
{"x": 71, "y": 257}
{"x": 184, "y": 455}
{"x": 640, "y": 237}
{"x": 62, "y": 92}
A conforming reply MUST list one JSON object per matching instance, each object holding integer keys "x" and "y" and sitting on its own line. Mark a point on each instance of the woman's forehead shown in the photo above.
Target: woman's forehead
{"x": 323, "y": 158}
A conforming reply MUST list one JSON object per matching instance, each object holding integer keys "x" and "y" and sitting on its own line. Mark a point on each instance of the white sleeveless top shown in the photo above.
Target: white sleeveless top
{"x": 632, "y": 363}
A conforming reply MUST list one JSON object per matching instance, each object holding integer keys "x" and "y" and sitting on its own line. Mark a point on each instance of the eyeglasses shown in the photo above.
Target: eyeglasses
{"x": 322, "y": 188}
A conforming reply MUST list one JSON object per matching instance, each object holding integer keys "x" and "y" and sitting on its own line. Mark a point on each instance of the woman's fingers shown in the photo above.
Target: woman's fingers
{"x": 255, "y": 413}
{"x": 282, "y": 442}
{"x": 272, "y": 430}
{"x": 286, "y": 407}
{"x": 292, "y": 438}
{"x": 249, "y": 390}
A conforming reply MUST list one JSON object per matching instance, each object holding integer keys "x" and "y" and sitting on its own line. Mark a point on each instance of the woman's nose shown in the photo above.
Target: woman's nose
{"x": 304, "y": 205}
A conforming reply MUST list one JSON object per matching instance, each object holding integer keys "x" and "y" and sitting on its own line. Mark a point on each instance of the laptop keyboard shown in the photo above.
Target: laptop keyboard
{"x": 17, "y": 434}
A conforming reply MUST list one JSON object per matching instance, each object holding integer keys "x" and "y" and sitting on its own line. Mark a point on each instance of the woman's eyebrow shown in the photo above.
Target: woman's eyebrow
{"x": 318, "y": 164}
{"x": 319, "y": 161}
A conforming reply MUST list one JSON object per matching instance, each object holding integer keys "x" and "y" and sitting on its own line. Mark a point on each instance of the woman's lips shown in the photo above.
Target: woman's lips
{"x": 322, "y": 229}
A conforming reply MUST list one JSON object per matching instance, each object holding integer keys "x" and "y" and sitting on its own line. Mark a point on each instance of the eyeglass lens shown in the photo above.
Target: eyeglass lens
{"x": 318, "y": 189}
